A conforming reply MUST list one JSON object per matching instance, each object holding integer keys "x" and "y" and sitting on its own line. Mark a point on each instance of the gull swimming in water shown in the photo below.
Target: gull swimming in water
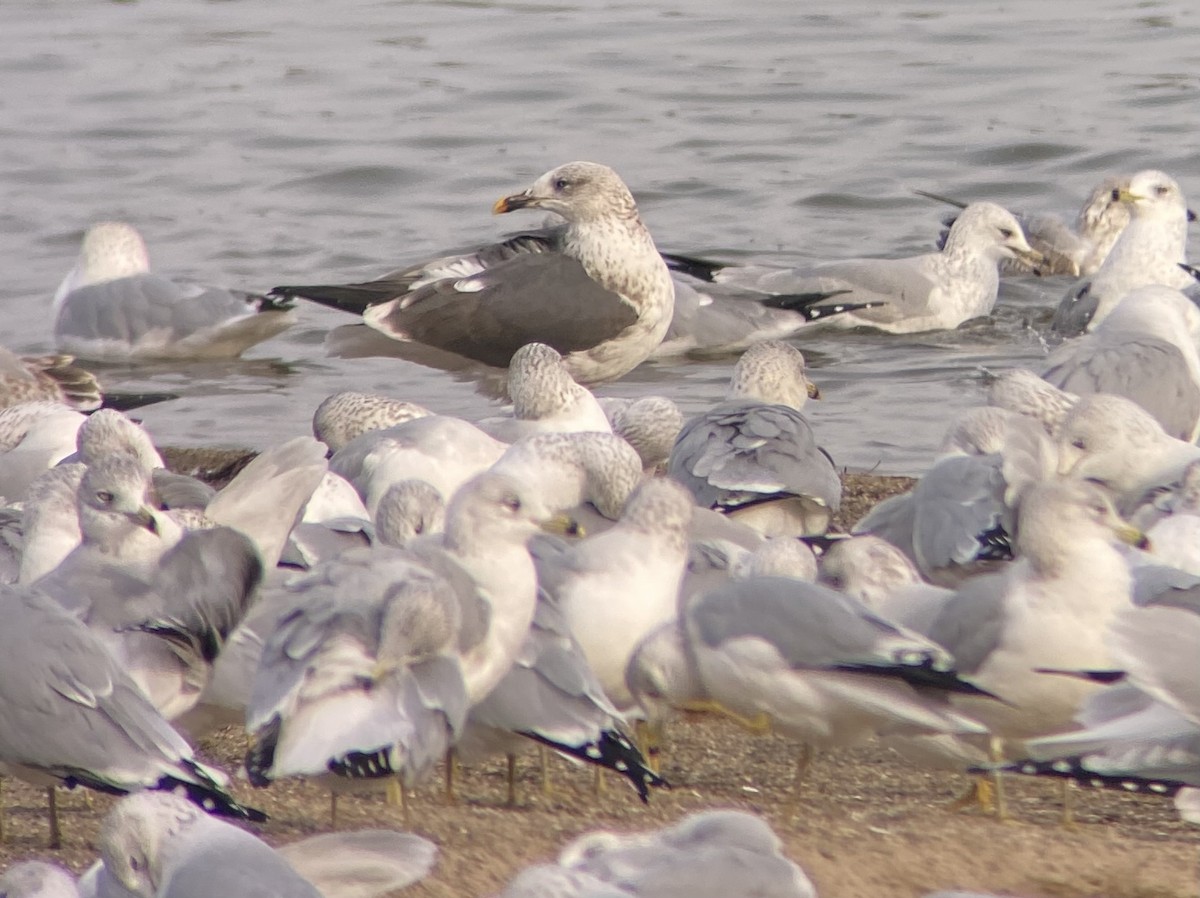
{"x": 754, "y": 456}
{"x": 1149, "y": 251}
{"x": 595, "y": 289}
{"x": 113, "y": 308}
{"x": 936, "y": 291}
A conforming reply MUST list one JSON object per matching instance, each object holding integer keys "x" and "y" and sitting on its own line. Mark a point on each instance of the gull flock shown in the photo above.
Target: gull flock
{"x": 404, "y": 588}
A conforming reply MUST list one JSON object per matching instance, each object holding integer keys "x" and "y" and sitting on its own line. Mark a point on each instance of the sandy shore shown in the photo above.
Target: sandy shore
{"x": 866, "y": 826}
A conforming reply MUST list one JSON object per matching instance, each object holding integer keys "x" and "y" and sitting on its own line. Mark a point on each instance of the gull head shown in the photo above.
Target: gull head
{"x": 1067, "y": 518}
{"x": 772, "y": 371}
{"x": 1109, "y": 440}
{"x": 1152, "y": 194}
{"x": 114, "y": 498}
{"x": 111, "y": 250}
{"x": 992, "y": 229}
{"x": 136, "y": 836}
{"x": 579, "y": 192}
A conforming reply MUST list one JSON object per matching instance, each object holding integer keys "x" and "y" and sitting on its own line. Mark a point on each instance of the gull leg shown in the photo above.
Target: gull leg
{"x": 759, "y": 724}
{"x": 1, "y": 810}
{"x": 1068, "y": 803}
{"x": 996, "y": 754}
{"x": 55, "y": 829}
{"x": 648, "y": 737}
{"x": 599, "y": 787}
{"x": 512, "y": 779}
{"x": 450, "y": 761}
{"x": 544, "y": 760}
{"x": 333, "y": 798}
{"x": 979, "y": 794}
{"x": 397, "y": 795}
{"x": 804, "y": 760}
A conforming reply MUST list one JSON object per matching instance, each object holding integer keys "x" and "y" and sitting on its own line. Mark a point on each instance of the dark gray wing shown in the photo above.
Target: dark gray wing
{"x": 1144, "y": 369}
{"x": 1075, "y": 311}
{"x": 358, "y": 298}
{"x": 971, "y": 622}
{"x": 531, "y": 298}
{"x": 743, "y": 452}
{"x": 1158, "y": 584}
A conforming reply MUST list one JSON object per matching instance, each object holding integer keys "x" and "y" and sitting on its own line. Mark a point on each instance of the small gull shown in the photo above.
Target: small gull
{"x": 158, "y": 846}
{"x": 777, "y": 653}
{"x": 935, "y": 291}
{"x": 650, "y": 425}
{"x": 708, "y": 854}
{"x": 51, "y": 378}
{"x": 545, "y": 398}
{"x": 615, "y": 587}
{"x": 111, "y": 307}
{"x": 1144, "y": 350}
{"x": 1113, "y": 442}
{"x": 1050, "y": 609}
{"x": 343, "y": 416}
{"x": 168, "y": 626}
{"x": 754, "y": 456}
{"x": 73, "y": 715}
{"x": 959, "y": 518}
{"x": 1149, "y": 251}
{"x": 595, "y": 289}
{"x": 442, "y": 450}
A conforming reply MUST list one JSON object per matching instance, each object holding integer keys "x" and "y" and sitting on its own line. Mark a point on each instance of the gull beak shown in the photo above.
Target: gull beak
{"x": 1122, "y": 195}
{"x": 563, "y": 525}
{"x": 814, "y": 392}
{"x": 1131, "y": 536}
{"x": 516, "y": 201}
{"x": 145, "y": 517}
{"x": 1029, "y": 256}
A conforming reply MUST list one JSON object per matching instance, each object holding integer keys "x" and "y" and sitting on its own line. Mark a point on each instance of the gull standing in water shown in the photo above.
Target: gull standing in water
{"x": 111, "y": 307}
{"x": 754, "y": 456}
{"x": 1149, "y": 251}
{"x": 595, "y": 289}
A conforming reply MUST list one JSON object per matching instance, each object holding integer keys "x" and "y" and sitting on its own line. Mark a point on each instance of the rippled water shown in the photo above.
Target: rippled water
{"x": 260, "y": 143}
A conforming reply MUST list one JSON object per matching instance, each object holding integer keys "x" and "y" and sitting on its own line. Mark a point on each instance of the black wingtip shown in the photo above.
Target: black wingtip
{"x": 1190, "y": 269}
{"x": 1072, "y": 768}
{"x": 211, "y": 798}
{"x": 693, "y": 266}
{"x": 261, "y": 755}
{"x": 351, "y": 298}
{"x": 922, "y": 675}
{"x": 614, "y": 752}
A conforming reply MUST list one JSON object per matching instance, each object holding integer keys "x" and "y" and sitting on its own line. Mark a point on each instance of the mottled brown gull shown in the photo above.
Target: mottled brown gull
{"x": 596, "y": 289}
{"x": 343, "y": 416}
{"x": 111, "y": 307}
{"x": 50, "y": 378}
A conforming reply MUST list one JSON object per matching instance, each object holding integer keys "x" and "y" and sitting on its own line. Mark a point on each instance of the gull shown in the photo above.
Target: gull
{"x": 74, "y": 716}
{"x": 708, "y": 853}
{"x": 615, "y": 587}
{"x": 343, "y": 416}
{"x": 373, "y": 669}
{"x": 112, "y": 308}
{"x": 1149, "y": 251}
{"x": 960, "y": 517}
{"x": 594, "y": 289}
{"x": 159, "y": 846}
{"x": 167, "y": 627}
{"x": 936, "y": 291}
{"x": 545, "y": 399}
{"x": 1113, "y": 442}
{"x": 1050, "y": 609}
{"x": 47, "y": 378}
{"x": 1144, "y": 350}
{"x": 754, "y": 456}
{"x": 34, "y": 436}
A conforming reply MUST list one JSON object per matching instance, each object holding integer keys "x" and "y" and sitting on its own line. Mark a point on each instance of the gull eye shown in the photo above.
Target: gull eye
{"x": 1006, "y": 233}
{"x": 1116, "y": 194}
{"x": 512, "y": 503}
{"x": 1162, "y": 190}
{"x": 104, "y": 497}
{"x": 1079, "y": 443}
{"x": 561, "y": 184}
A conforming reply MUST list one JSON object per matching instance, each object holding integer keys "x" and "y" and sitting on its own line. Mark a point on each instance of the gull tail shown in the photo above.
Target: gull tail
{"x": 354, "y": 298}
{"x": 1073, "y": 769}
{"x": 261, "y": 756}
{"x": 614, "y": 751}
{"x": 805, "y": 304}
{"x": 80, "y": 389}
